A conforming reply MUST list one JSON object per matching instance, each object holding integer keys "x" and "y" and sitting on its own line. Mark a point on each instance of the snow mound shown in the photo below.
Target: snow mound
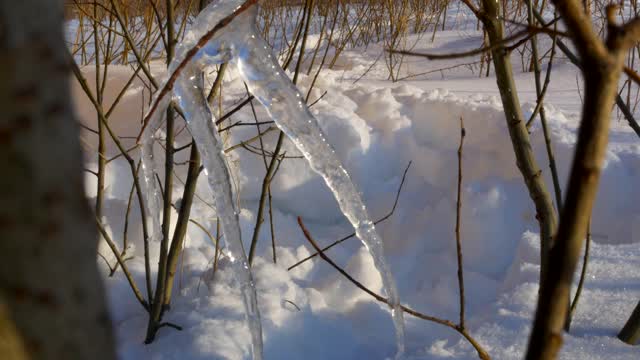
{"x": 377, "y": 129}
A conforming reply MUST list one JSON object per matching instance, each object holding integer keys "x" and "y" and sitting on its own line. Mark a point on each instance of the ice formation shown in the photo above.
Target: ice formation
{"x": 240, "y": 43}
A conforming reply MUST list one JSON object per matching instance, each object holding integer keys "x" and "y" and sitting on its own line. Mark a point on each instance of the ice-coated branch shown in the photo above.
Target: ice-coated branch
{"x": 286, "y": 106}
{"x": 206, "y": 17}
{"x": 190, "y": 97}
{"x": 235, "y": 39}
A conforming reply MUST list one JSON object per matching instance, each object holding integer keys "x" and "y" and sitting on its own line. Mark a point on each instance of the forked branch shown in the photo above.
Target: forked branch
{"x": 602, "y": 65}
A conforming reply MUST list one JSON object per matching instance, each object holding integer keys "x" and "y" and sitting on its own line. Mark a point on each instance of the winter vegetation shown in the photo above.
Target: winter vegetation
{"x": 319, "y": 179}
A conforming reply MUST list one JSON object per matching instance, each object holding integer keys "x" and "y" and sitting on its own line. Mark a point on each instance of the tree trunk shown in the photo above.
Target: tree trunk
{"x": 50, "y": 287}
{"x": 630, "y": 333}
{"x": 601, "y": 66}
{"x": 525, "y": 157}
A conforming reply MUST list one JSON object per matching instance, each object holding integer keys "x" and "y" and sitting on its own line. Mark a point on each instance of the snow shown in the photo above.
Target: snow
{"x": 376, "y": 127}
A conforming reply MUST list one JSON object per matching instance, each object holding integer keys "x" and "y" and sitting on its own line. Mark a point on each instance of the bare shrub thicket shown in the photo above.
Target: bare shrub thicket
{"x": 142, "y": 34}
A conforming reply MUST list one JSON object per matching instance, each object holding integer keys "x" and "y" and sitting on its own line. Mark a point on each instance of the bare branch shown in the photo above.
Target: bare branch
{"x": 388, "y": 215}
{"x": 482, "y": 354}
{"x": 457, "y": 230}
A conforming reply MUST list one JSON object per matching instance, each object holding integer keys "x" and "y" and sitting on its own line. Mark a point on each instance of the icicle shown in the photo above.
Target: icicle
{"x": 240, "y": 42}
{"x": 286, "y": 106}
{"x": 151, "y": 189}
{"x": 189, "y": 95}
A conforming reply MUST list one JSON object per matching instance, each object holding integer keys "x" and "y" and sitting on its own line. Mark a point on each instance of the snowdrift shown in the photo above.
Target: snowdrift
{"x": 377, "y": 129}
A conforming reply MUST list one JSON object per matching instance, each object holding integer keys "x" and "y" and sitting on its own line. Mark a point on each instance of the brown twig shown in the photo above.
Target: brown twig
{"x": 458, "y": 216}
{"x": 125, "y": 230}
{"x": 583, "y": 276}
{"x": 388, "y": 215}
{"x": 540, "y": 92}
{"x": 576, "y": 61}
{"x": 482, "y": 354}
{"x": 98, "y": 107}
{"x": 125, "y": 270}
{"x": 527, "y": 33}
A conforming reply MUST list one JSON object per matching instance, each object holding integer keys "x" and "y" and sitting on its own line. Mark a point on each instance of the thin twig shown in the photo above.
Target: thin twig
{"x": 388, "y": 215}
{"x": 458, "y": 216}
{"x": 481, "y": 352}
{"x": 583, "y": 276}
{"x": 628, "y": 115}
{"x": 527, "y": 33}
{"x": 294, "y": 304}
{"x": 125, "y": 270}
{"x": 130, "y": 161}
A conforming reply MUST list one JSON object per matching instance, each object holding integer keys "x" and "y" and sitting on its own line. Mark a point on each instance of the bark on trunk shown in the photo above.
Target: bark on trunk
{"x": 600, "y": 90}
{"x": 602, "y": 65}
{"x": 49, "y": 282}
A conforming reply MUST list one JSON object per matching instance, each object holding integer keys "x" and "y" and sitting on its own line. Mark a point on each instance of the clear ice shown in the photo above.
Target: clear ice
{"x": 240, "y": 43}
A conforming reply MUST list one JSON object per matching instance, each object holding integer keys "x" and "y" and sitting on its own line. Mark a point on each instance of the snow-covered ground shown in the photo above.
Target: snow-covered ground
{"x": 377, "y": 127}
